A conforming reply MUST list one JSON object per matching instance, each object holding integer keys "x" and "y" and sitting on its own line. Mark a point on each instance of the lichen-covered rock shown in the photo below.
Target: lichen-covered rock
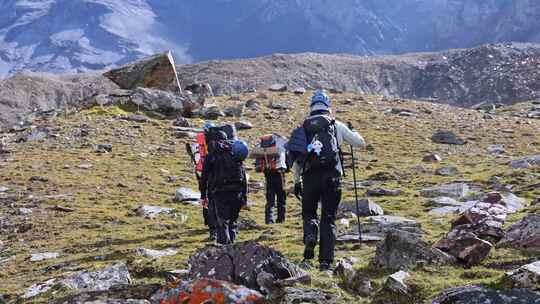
{"x": 526, "y": 276}
{"x": 524, "y": 234}
{"x": 206, "y": 290}
{"x": 466, "y": 246}
{"x": 402, "y": 250}
{"x": 245, "y": 264}
{"x": 483, "y": 295}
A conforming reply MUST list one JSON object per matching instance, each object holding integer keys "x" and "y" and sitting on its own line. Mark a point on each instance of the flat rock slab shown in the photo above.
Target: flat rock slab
{"x": 456, "y": 191}
{"x": 152, "y": 211}
{"x": 447, "y": 137}
{"x": 3, "y": 189}
{"x": 366, "y": 207}
{"x": 37, "y": 257}
{"x": 99, "y": 280}
{"x": 156, "y": 254}
{"x": 187, "y": 195}
{"x": 483, "y": 295}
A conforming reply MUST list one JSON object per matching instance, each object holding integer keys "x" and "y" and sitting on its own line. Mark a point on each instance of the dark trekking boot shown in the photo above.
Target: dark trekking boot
{"x": 325, "y": 266}
{"x": 281, "y": 215}
{"x": 306, "y": 264}
{"x": 268, "y": 215}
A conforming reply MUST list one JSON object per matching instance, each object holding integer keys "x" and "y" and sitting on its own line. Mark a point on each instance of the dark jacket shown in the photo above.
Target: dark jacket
{"x": 207, "y": 182}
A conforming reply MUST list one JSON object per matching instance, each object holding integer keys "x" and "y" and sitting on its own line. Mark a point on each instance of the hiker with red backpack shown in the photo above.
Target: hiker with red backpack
{"x": 224, "y": 180}
{"x": 314, "y": 148}
{"x": 270, "y": 159}
{"x": 199, "y": 151}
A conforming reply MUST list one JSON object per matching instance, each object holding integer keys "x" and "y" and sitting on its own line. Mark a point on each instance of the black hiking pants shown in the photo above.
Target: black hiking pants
{"x": 209, "y": 215}
{"x": 320, "y": 186}
{"x": 227, "y": 210}
{"x": 275, "y": 184}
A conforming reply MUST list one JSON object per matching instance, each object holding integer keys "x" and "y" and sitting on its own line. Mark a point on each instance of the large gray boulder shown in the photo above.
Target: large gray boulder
{"x": 403, "y": 250}
{"x": 524, "y": 235}
{"x": 484, "y": 295}
{"x": 249, "y": 263}
{"x": 156, "y": 72}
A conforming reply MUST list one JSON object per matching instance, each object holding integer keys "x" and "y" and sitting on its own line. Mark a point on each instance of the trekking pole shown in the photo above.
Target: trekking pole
{"x": 356, "y": 195}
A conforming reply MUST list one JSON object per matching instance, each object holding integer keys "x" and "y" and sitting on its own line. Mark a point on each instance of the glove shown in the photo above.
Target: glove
{"x": 298, "y": 191}
{"x": 204, "y": 203}
{"x": 350, "y": 126}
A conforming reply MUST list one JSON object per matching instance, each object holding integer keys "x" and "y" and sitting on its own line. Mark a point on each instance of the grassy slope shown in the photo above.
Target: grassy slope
{"x": 105, "y": 225}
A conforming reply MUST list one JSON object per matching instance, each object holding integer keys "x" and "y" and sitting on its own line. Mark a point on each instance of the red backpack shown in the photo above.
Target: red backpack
{"x": 268, "y": 157}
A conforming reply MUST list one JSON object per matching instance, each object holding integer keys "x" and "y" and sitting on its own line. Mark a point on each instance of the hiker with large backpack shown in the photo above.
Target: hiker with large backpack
{"x": 224, "y": 180}
{"x": 205, "y": 143}
{"x": 315, "y": 150}
{"x": 270, "y": 159}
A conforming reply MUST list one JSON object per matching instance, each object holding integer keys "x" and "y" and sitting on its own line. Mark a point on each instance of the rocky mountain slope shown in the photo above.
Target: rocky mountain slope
{"x": 62, "y": 36}
{"x": 501, "y": 73}
{"x": 490, "y": 74}
{"x": 89, "y": 201}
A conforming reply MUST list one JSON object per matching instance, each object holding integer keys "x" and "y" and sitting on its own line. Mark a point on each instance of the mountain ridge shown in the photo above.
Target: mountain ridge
{"x": 101, "y": 34}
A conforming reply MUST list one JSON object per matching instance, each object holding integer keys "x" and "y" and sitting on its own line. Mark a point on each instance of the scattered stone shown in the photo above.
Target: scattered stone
{"x": 278, "y": 87}
{"x": 396, "y": 282}
{"x": 25, "y": 211}
{"x": 104, "y": 148}
{"x": 527, "y": 276}
{"x": 181, "y": 122}
{"x": 252, "y": 104}
{"x": 447, "y": 137}
{"x": 526, "y": 162}
{"x": 152, "y": 211}
{"x": 85, "y": 166}
{"x": 365, "y": 206}
{"x": 3, "y": 189}
{"x": 496, "y": 149}
{"x": 293, "y": 295}
{"x": 162, "y": 102}
{"x": 455, "y": 190}
{"x": 35, "y": 134}
{"x": 468, "y": 248}
{"x": 156, "y": 254}
{"x": 157, "y": 72}
{"x": 299, "y": 91}
{"x": 447, "y": 171}
{"x": 38, "y": 257}
{"x": 235, "y": 111}
{"x": 135, "y": 118}
{"x": 524, "y": 235}
{"x": 186, "y": 195}
{"x": 120, "y": 294}
{"x": 483, "y": 295}
{"x": 99, "y": 280}
{"x": 280, "y": 105}
{"x": 432, "y": 158}
{"x": 41, "y": 179}
{"x": 405, "y": 250}
{"x": 207, "y": 291}
{"x": 38, "y": 289}
{"x": 383, "y": 192}
{"x": 248, "y": 263}
{"x": 243, "y": 125}
{"x": 211, "y": 112}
